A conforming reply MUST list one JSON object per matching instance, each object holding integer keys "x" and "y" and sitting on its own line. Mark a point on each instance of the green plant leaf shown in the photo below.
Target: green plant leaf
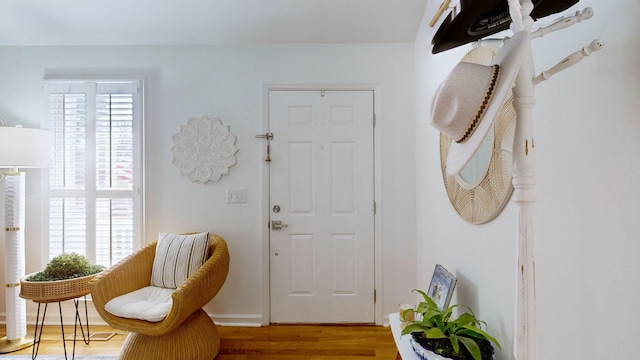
{"x": 471, "y": 345}
{"x": 424, "y": 295}
{"x": 472, "y": 331}
{"x": 446, "y": 313}
{"x": 414, "y": 327}
{"x": 435, "y": 333}
{"x": 439, "y": 323}
{"x": 421, "y": 308}
{"x": 454, "y": 342}
{"x": 427, "y": 299}
{"x": 466, "y": 319}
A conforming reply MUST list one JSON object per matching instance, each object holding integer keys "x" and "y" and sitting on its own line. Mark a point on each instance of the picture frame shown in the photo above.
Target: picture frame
{"x": 441, "y": 287}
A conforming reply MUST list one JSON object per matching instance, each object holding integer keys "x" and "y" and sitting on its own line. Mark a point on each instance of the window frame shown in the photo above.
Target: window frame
{"x": 57, "y": 86}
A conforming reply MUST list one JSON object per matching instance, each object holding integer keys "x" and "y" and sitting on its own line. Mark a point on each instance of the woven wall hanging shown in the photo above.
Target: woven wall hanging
{"x": 204, "y": 149}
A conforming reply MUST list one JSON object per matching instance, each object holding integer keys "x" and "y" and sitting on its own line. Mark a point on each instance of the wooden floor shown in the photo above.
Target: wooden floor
{"x": 281, "y": 342}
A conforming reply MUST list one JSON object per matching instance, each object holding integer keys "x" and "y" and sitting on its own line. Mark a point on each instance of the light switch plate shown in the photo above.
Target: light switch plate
{"x": 236, "y": 196}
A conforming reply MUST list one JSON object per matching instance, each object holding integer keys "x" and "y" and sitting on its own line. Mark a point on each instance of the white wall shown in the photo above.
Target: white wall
{"x": 227, "y": 82}
{"x": 586, "y": 218}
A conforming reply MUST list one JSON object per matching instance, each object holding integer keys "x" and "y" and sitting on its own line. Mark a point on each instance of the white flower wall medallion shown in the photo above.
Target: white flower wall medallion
{"x": 204, "y": 149}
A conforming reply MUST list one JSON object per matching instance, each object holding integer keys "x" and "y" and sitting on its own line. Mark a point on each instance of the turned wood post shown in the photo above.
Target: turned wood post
{"x": 524, "y": 180}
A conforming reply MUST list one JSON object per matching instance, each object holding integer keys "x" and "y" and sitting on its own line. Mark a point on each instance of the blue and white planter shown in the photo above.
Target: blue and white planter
{"x": 425, "y": 354}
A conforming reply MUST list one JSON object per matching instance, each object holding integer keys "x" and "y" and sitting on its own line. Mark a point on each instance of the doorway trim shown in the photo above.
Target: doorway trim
{"x": 264, "y": 208}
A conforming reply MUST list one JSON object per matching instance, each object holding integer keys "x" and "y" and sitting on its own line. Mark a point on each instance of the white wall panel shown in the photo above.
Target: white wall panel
{"x": 585, "y": 216}
{"x": 227, "y": 82}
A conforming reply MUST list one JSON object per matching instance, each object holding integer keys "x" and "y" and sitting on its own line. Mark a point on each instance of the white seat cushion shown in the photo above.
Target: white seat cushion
{"x": 150, "y": 303}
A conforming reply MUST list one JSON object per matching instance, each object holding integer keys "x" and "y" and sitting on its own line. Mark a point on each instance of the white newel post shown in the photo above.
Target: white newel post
{"x": 524, "y": 180}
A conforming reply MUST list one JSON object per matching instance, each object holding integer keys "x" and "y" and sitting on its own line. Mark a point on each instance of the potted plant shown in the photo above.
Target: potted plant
{"x": 436, "y": 334}
{"x": 66, "y": 276}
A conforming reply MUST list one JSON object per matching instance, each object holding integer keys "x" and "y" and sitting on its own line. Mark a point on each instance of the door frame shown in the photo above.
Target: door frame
{"x": 264, "y": 209}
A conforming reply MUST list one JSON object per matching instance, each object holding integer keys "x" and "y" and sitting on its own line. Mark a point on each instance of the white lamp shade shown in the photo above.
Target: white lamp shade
{"x": 24, "y": 147}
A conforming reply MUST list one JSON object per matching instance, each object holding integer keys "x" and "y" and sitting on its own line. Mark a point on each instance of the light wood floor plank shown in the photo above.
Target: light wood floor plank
{"x": 276, "y": 342}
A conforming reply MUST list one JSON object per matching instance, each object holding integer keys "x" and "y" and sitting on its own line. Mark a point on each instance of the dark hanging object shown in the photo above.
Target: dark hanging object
{"x": 480, "y": 18}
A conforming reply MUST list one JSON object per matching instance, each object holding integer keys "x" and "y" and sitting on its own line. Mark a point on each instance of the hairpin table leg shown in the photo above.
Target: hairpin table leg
{"x": 77, "y": 321}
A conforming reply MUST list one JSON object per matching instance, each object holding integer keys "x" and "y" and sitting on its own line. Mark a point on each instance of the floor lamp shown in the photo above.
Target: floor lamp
{"x": 19, "y": 148}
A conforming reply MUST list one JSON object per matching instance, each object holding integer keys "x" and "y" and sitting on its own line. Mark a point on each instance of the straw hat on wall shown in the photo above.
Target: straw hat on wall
{"x": 469, "y": 99}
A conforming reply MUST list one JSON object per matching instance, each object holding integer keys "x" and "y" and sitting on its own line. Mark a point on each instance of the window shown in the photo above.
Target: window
{"x": 94, "y": 182}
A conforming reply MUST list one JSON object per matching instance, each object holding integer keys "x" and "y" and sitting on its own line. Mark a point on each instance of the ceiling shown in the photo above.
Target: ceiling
{"x": 161, "y": 22}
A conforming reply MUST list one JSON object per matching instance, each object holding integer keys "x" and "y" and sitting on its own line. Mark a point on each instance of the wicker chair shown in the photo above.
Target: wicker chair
{"x": 187, "y": 332}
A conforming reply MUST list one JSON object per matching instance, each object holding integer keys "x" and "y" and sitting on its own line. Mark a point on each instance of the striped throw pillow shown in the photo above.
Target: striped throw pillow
{"x": 177, "y": 257}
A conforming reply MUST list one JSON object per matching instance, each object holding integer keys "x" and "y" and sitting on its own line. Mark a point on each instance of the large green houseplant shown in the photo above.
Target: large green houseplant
{"x": 65, "y": 277}
{"x": 438, "y": 331}
{"x": 66, "y": 266}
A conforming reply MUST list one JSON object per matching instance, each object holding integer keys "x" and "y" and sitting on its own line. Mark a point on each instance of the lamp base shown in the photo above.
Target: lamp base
{"x": 7, "y": 346}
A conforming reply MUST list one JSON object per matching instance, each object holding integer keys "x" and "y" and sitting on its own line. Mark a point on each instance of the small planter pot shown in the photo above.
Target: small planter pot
{"x": 426, "y": 354}
{"x": 54, "y": 291}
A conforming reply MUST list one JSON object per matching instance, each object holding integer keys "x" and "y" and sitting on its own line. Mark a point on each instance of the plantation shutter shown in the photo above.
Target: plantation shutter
{"x": 94, "y": 206}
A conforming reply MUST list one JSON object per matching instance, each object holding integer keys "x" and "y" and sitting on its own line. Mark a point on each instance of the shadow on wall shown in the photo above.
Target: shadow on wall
{"x": 467, "y": 292}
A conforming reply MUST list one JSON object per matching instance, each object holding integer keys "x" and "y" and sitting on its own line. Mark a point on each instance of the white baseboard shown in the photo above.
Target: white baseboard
{"x": 244, "y": 320}
{"x": 68, "y": 313}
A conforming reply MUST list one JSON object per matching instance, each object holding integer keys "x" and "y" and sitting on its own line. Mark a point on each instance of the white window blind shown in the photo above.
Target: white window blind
{"x": 94, "y": 187}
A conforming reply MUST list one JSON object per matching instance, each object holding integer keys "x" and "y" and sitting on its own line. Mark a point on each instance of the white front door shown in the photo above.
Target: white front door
{"x": 322, "y": 193}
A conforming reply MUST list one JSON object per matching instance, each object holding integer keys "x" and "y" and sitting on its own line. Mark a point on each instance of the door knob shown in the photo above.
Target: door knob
{"x": 277, "y": 225}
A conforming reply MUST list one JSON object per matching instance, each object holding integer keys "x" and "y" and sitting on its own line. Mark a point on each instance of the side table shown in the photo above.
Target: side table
{"x": 405, "y": 351}
{"x": 45, "y": 292}
{"x": 77, "y": 321}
